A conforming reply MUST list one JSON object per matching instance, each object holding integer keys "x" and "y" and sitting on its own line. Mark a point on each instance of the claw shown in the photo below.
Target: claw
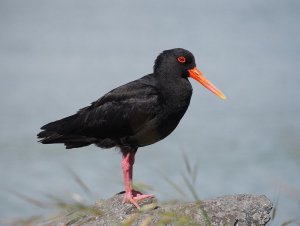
{"x": 134, "y": 196}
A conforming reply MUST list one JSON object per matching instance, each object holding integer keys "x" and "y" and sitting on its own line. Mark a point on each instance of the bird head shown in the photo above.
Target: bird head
{"x": 182, "y": 62}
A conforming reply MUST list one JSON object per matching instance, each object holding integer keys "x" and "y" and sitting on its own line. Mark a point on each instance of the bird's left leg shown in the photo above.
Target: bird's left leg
{"x": 131, "y": 195}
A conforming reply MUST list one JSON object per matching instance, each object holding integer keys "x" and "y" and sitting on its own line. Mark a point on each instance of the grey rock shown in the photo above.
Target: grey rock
{"x": 237, "y": 210}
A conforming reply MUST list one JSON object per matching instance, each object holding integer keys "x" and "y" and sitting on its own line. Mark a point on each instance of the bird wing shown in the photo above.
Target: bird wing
{"x": 121, "y": 112}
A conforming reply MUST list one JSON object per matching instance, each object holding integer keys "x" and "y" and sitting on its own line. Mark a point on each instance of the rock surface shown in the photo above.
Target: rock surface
{"x": 238, "y": 210}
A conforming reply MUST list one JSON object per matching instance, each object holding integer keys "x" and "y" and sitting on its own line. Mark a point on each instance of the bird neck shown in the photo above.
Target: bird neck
{"x": 167, "y": 71}
{"x": 176, "y": 90}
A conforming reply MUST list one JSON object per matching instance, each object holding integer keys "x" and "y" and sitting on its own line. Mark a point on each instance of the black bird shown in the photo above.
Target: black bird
{"x": 133, "y": 115}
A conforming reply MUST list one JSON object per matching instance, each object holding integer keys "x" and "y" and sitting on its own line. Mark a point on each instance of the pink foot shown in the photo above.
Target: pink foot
{"x": 134, "y": 196}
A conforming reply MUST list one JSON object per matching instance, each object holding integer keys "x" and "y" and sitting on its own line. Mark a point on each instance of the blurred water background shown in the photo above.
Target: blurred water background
{"x": 58, "y": 56}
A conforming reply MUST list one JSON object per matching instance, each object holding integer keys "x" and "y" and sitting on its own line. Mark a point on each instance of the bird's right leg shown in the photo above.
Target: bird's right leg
{"x": 131, "y": 195}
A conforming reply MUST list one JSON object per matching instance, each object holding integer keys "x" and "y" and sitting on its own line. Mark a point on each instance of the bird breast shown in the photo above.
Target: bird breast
{"x": 166, "y": 120}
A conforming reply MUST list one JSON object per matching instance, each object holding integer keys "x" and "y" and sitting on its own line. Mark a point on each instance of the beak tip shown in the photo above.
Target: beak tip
{"x": 223, "y": 97}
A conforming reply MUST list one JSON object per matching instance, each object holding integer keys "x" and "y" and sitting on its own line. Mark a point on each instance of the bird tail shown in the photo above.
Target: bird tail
{"x": 60, "y": 131}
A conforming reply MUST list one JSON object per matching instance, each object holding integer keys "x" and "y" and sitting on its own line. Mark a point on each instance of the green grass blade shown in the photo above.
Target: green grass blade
{"x": 174, "y": 185}
{"x": 79, "y": 181}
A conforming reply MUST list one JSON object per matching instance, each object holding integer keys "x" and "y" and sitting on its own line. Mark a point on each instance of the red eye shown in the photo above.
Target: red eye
{"x": 181, "y": 59}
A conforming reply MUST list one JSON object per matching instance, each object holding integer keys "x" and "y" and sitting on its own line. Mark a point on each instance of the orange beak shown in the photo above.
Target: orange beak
{"x": 197, "y": 75}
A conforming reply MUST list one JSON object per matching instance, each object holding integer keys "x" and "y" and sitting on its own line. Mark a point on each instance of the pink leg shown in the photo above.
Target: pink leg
{"x": 131, "y": 195}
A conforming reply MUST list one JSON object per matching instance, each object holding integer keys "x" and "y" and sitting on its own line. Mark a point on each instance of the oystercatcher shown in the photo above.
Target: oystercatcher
{"x": 133, "y": 115}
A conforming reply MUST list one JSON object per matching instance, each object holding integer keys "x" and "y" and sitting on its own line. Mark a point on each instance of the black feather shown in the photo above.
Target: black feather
{"x": 136, "y": 114}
